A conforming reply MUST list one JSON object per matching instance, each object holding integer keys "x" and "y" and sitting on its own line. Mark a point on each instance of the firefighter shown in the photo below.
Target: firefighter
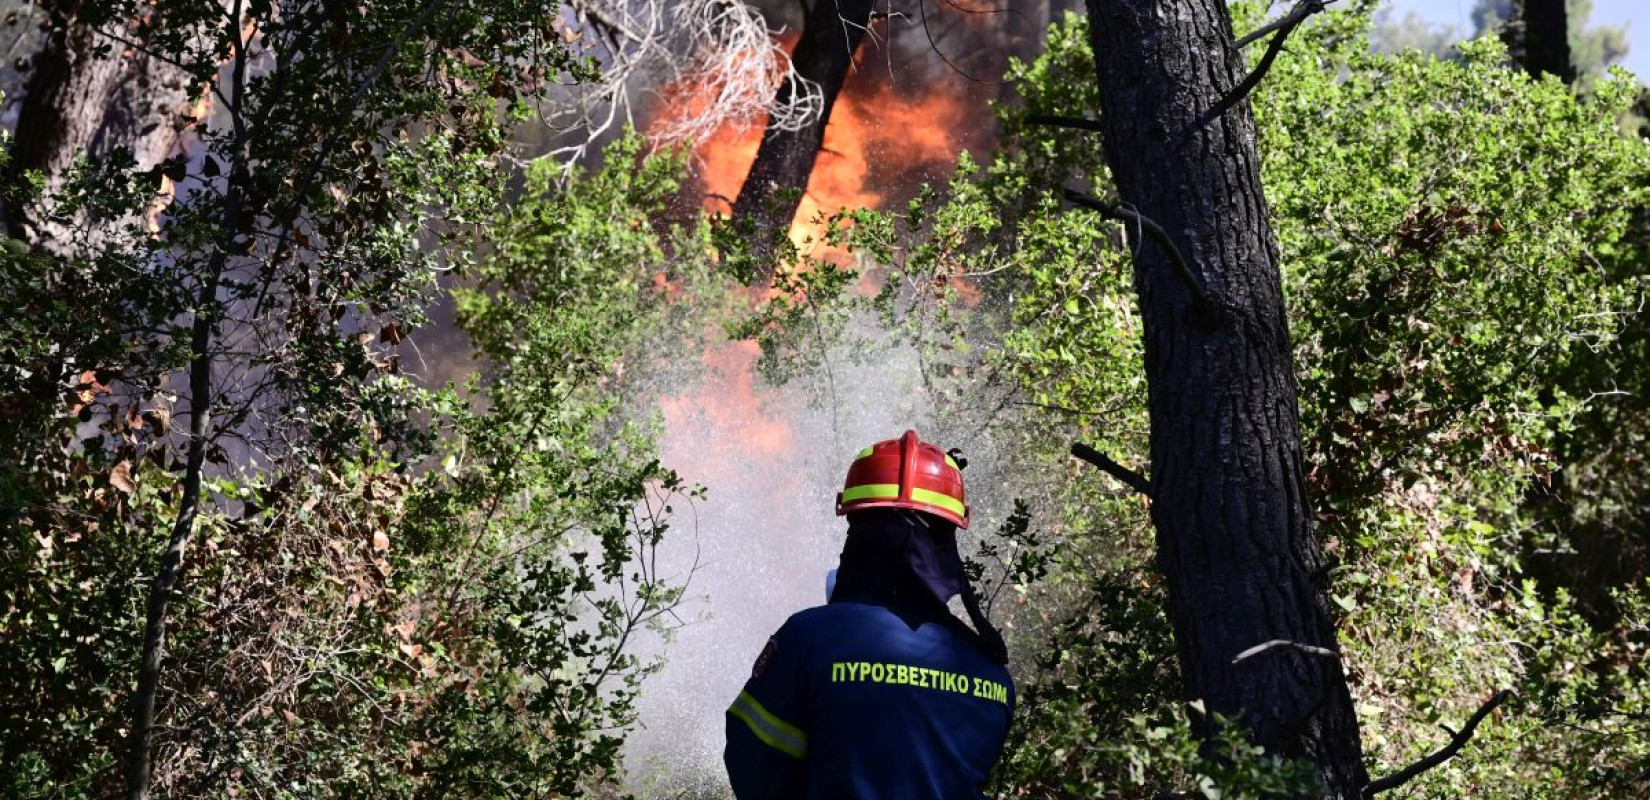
{"x": 881, "y": 692}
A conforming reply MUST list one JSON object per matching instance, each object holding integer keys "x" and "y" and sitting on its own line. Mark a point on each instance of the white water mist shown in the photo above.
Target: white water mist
{"x": 764, "y": 537}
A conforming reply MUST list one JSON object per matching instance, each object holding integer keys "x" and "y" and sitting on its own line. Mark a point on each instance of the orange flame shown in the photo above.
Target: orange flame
{"x": 878, "y": 146}
{"x": 873, "y": 140}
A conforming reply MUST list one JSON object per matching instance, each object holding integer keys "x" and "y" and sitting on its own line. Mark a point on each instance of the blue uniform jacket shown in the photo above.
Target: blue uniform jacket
{"x": 850, "y": 700}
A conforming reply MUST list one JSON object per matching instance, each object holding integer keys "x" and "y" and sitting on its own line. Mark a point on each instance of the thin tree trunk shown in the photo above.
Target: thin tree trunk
{"x": 1547, "y": 39}
{"x": 831, "y": 33}
{"x": 1235, "y": 536}
{"x": 203, "y": 333}
{"x": 78, "y": 103}
{"x": 139, "y": 755}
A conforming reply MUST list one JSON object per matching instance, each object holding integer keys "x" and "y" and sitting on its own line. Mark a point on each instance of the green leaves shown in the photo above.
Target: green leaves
{"x": 1463, "y": 267}
{"x": 365, "y": 535}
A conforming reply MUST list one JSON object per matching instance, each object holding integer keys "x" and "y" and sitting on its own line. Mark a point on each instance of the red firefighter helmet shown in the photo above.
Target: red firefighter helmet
{"x": 905, "y": 473}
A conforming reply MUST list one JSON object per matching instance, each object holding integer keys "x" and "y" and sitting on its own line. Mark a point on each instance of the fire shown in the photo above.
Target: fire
{"x": 879, "y": 145}
{"x": 873, "y": 137}
{"x": 728, "y": 404}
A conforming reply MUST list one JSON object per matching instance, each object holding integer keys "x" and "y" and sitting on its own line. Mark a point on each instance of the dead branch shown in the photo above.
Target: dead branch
{"x": 1287, "y": 19}
{"x": 1200, "y": 297}
{"x": 1284, "y": 26}
{"x": 1443, "y": 754}
{"x": 1297, "y": 646}
{"x": 1078, "y": 123}
{"x": 1128, "y": 477}
{"x": 922, "y": 9}
{"x": 718, "y": 51}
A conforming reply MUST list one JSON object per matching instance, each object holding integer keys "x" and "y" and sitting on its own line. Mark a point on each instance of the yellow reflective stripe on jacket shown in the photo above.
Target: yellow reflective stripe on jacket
{"x": 944, "y": 501}
{"x": 870, "y": 491}
{"x": 773, "y": 731}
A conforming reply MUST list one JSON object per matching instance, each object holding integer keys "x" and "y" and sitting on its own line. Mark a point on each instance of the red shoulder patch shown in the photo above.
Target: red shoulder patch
{"x": 760, "y": 668}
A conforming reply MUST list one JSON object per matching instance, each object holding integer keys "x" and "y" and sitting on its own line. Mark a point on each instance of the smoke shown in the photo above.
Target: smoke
{"x": 772, "y": 460}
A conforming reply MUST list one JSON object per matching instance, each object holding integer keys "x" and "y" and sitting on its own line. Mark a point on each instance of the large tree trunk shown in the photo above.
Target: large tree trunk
{"x": 1235, "y": 535}
{"x": 772, "y": 190}
{"x": 78, "y": 103}
{"x": 1546, "y": 45}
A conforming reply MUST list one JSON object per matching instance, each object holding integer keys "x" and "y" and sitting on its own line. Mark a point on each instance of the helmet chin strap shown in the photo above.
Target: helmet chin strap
{"x": 995, "y": 647}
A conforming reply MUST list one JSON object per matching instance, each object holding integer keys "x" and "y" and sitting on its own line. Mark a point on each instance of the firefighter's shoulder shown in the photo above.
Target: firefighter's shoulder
{"x": 798, "y": 636}
{"x": 832, "y": 620}
{"x": 813, "y": 632}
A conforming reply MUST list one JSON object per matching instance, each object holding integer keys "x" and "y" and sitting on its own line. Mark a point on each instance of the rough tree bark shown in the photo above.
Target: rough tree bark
{"x": 1235, "y": 536}
{"x": 1546, "y": 34}
{"x": 79, "y": 103}
{"x": 831, "y": 32}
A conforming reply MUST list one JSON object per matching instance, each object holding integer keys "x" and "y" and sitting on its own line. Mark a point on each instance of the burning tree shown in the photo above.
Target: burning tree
{"x": 831, "y": 33}
{"x": 832, "y": 48}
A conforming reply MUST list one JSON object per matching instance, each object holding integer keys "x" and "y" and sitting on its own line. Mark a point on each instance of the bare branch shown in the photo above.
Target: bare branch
{"x": 708, "y": 61}
{"x": 1285, "y": 20}
{"x": 1284, "y": 26}
{"x": 1129, "y": 477}
{"x": 1443, "y": 754}
{"x": 1078, "y": 123}
{"x": 1200, "y": 297}
{"x": 1297, "y": 646}
{"x": 922, "y": 8}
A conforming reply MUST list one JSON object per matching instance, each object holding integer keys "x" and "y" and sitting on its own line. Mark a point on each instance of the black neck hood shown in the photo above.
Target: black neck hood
{"x": 908, "y": 562}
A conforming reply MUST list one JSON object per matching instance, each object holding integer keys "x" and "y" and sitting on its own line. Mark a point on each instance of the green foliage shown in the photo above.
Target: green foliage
{"x": 454, "y": 618}
{"x": 1454, "y": 236}
{"x": 1593, "y": 49}
{"x": 806, "y": 315}
{"x": 392, "y": 590}
{"x": 1442, "y": 278}
{"x": 564, "y": 496}
{"x": 876, "y": 283}
{"x": 1147, "y": 757}
{"x": 1450, "y": 258}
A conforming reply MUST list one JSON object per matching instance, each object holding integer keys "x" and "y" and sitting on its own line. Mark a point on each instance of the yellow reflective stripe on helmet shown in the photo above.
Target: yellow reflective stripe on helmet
{"x": 870, "y": 491}
{"x": 944, "y": 501}
{"x": 952, "y": 462}
{"x": 773, "y": 731}
{"x": 865, "y": 452}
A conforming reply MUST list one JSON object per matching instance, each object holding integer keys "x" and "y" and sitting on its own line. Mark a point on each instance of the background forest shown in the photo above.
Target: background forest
{"x": 397, "y": 392}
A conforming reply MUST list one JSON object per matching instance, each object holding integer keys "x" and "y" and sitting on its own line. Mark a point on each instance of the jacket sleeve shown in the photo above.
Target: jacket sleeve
{"x": 767, "y": 739}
